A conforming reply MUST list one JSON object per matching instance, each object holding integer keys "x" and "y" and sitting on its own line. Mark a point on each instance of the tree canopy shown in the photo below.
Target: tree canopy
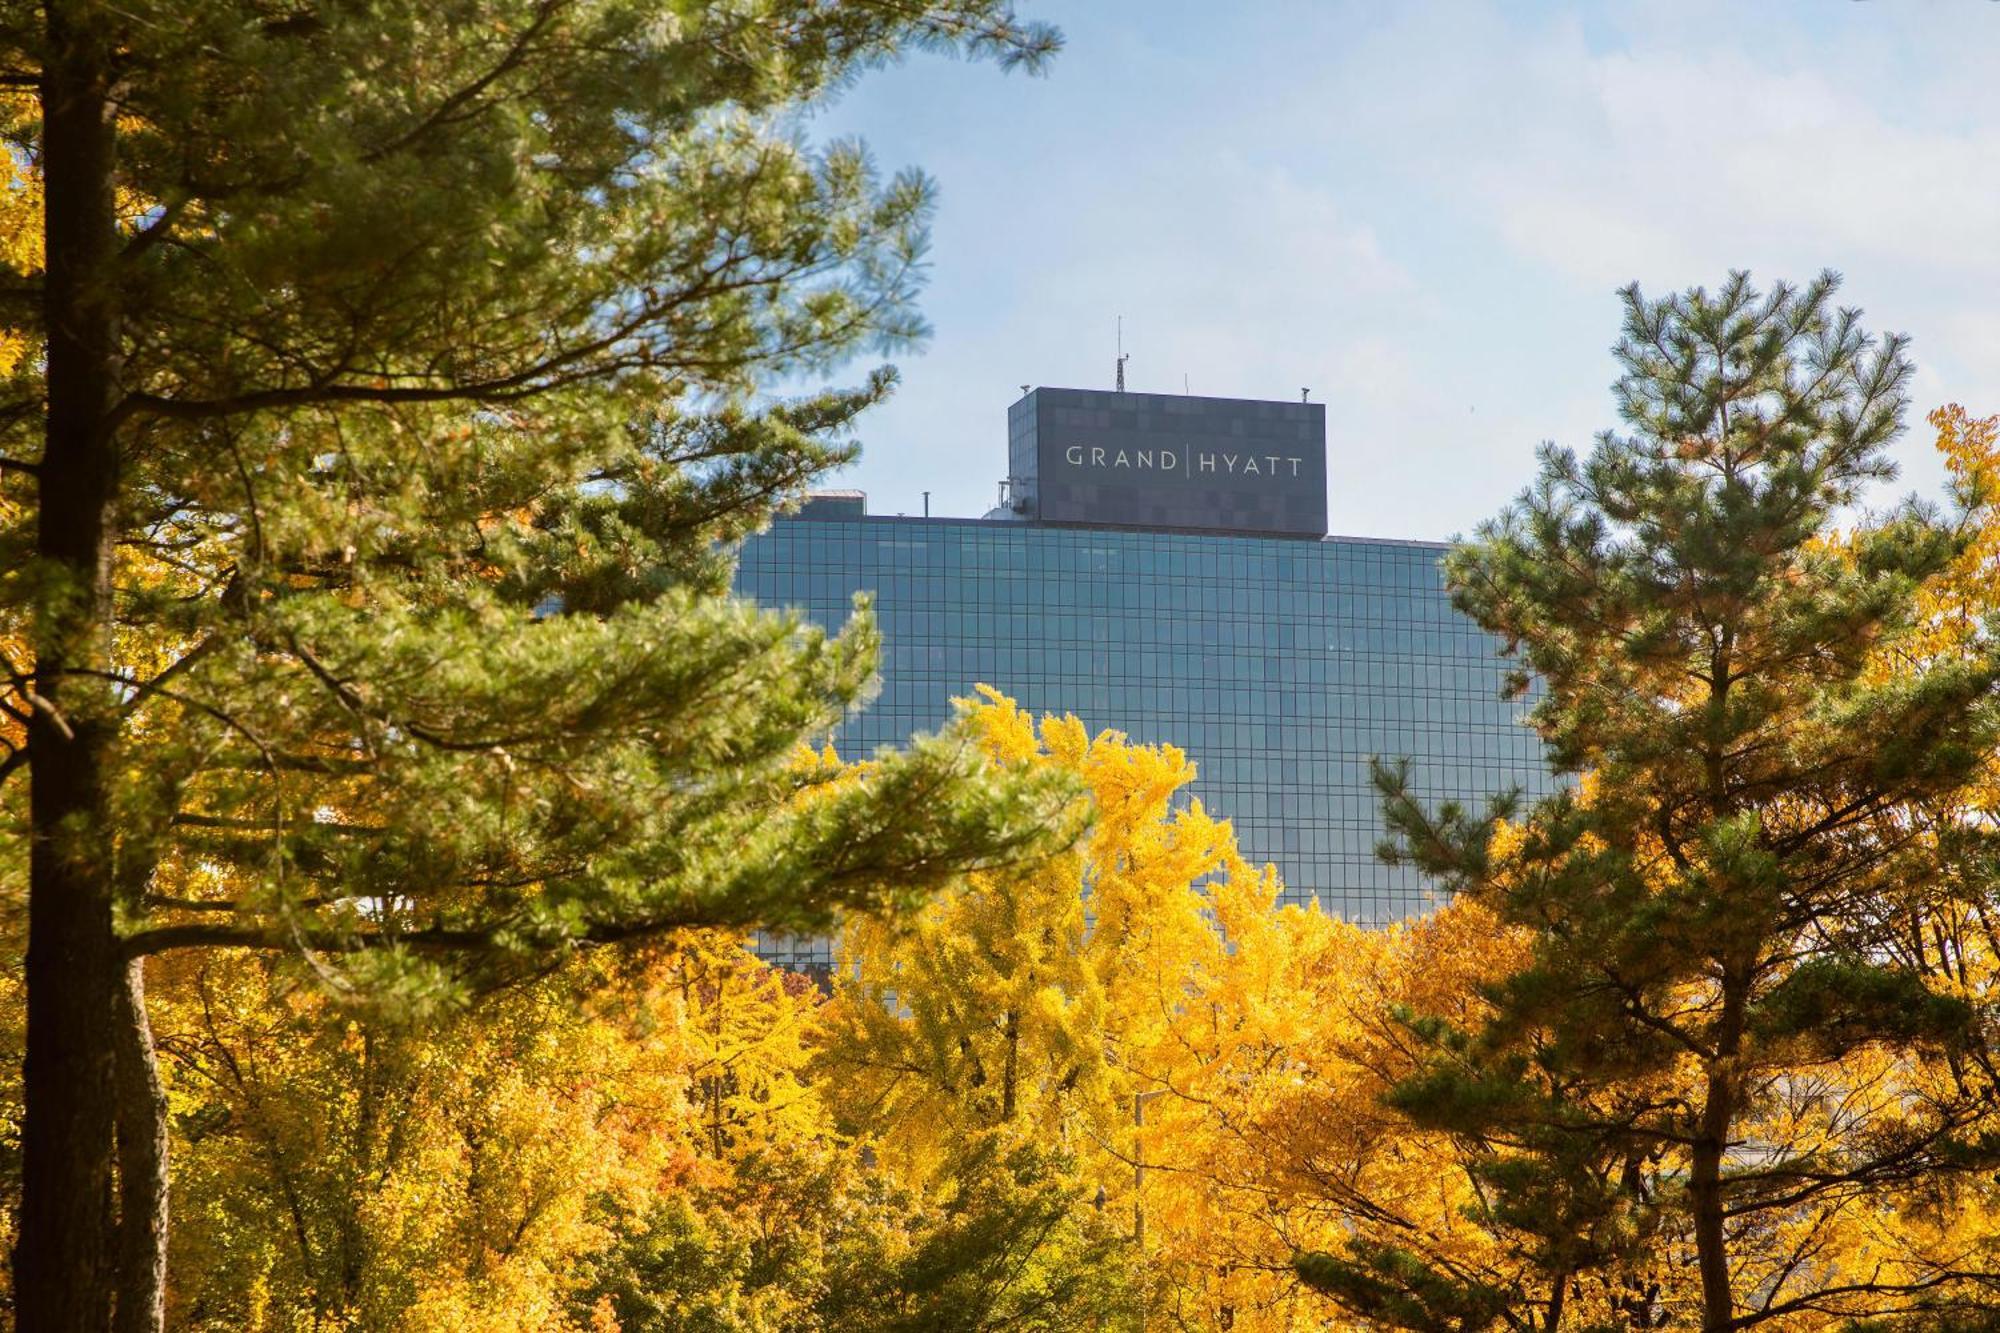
{"x": 1739, "y": 1013}
{"x": 378, "y": 409}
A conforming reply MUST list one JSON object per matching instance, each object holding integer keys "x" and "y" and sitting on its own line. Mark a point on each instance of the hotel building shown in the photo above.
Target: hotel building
{"x": 1160, "y": 565}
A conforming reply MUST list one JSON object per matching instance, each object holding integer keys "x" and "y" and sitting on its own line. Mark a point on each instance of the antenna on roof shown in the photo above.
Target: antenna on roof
{"x": 1305, "y": 395}
{"x": 1122, "y": 358}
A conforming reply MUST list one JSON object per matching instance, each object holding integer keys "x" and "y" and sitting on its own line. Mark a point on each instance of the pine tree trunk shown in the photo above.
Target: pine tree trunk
{"x": 1553, "y": 1317}
{"x": 142, "y": 1165}
{"x": 63, "y": 1261}
{"x": 1705, "y": 1198}
{"x": 1718, "y": 1113}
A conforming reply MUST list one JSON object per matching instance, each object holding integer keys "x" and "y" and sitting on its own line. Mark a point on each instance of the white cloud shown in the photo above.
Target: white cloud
{"x": 1422, "y": 212}
{"x": 1690, "y": 157}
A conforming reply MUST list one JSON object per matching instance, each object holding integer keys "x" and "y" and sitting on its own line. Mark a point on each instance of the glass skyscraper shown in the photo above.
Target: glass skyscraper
{"x": 1281, "y": 665}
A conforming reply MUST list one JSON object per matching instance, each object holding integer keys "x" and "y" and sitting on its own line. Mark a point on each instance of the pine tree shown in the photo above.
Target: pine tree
{"x": 370, "y": 440}
{"x": 1715, "y": 913}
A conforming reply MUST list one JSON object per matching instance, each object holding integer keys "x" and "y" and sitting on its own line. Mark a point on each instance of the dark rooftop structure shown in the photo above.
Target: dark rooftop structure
{"x": 1159, "y": 461}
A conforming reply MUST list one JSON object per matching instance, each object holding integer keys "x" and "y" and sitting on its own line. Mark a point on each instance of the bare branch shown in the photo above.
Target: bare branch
{"x": 433, "y": 940}
{"x": 185, "y": 820}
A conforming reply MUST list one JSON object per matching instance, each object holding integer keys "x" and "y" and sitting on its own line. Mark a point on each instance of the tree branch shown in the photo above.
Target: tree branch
{"x": 443, "y": 113}
{"x": 433, "y": 940}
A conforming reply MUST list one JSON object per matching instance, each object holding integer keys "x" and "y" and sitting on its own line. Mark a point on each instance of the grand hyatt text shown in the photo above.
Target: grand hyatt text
{"x": 1165, "y": 460}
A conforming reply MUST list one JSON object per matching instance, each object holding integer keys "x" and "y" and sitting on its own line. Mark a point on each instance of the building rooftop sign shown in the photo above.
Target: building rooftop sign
{"x": 1157, "y": 460}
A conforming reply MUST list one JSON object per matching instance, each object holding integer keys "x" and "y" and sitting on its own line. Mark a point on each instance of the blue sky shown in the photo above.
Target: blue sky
{"x": 1422, "y": 211}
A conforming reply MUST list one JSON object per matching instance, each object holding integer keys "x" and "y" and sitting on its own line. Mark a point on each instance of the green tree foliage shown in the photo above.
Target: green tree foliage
{"x": 348, "y": 614}
{"x": 1718, "y": 1032}
{"x": 813, "y": 1243}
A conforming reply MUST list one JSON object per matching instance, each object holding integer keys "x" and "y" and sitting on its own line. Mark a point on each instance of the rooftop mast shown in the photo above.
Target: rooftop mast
{"x": 1122, "y": 358}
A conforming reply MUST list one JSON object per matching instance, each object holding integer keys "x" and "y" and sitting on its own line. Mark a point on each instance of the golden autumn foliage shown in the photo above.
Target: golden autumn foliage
{"x": 1215, "y": 1065}
{"x": 1956, "y": 602}
{"x": 447, "y": 1175}
{"x": 20, "y": 218}
{"x": 1117, "y": 1089}
{"x": 713, "y": 1143}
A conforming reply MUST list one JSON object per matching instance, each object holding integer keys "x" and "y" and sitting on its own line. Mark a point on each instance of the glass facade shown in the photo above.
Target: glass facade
{"x": 1280, "y": 665}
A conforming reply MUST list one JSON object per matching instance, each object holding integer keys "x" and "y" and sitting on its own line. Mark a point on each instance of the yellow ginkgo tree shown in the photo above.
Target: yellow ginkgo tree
{"x": 1124, "y": 1002}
